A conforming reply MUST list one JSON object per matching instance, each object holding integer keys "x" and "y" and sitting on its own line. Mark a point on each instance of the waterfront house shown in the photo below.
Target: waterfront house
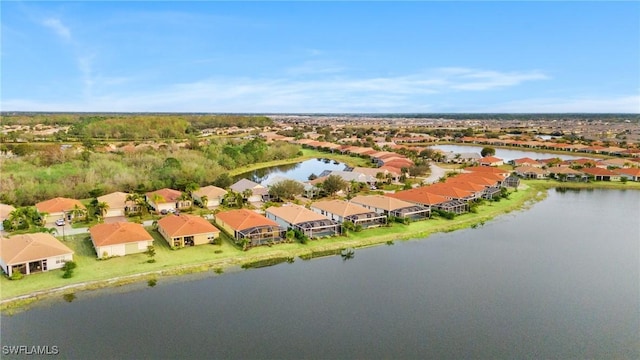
{"x": 459, "y": 158}
{"x": 311, "y": 224}
{"x": 257, "y": 192}
{"x": 531, "y": 172}
{"x": 632, "y": 174}
{"x": 213, "y": 194}
{"x": 59, "y": 208}
{"x": 526, "y": 162}
{"x": 487, "y": 170}
{"x": 119, "y": 239}
{"x": 248, "y": 226}
{"x": 389, "y": 206}
{"x": 566, "y": 174}
{"x": 167, "y": 200}
{"x": 600, "y": 174}
{"x": 341, "y": 211}
{"x": 117, "y": 204}
{"x": 187, "y": 230}
{"x": 32, "y": 253}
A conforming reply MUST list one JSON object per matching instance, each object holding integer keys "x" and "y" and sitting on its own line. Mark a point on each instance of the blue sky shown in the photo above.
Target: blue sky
{"x": 269, "y": 57}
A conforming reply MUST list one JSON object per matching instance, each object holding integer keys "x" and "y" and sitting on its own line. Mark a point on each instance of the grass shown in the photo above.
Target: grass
{"x": 93, "y": 273}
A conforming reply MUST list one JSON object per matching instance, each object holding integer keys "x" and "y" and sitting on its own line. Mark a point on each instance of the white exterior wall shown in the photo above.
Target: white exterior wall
{"x": 4, "y": 267}
{"x": 57, "y": 262}
{"x": 111, "y": 250}
{"x": 328, "y": 215}
{"x": 114, "y": 212}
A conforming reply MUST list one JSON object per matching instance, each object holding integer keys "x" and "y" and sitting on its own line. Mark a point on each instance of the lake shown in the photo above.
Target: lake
{"x": 506, "y": 154}
{"x": 298, "y": 171}
{"x": 559, "y": 280}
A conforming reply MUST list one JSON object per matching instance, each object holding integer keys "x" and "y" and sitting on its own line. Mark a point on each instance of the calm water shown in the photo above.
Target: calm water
{"x": 507, "y": 154}
{"x": 560, "y": 280}
{"x": 299, "y": 171}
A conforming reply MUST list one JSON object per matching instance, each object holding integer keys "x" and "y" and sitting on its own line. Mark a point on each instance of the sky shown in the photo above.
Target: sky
{"x": 321, "y": 57}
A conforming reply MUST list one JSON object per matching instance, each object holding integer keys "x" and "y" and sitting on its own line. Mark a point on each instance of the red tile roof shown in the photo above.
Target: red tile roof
{"x": 169, "y": 195}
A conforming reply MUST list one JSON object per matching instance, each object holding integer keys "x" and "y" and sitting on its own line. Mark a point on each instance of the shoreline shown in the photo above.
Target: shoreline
{"x": 531, "y": 192}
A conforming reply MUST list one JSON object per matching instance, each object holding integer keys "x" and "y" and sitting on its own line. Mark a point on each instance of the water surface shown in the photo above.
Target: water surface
{"x": 507, "y": 154}
{"x": 560, "y": 280}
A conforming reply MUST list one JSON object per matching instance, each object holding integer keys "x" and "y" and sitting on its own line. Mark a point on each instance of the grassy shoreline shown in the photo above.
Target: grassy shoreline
{"x": 94, "y": 274}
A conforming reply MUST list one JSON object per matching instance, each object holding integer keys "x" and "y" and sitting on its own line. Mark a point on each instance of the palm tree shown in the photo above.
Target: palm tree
{"x": 76, "y": 212}
{"x": 204, "y": 201}
{"x": 101, "y": 208}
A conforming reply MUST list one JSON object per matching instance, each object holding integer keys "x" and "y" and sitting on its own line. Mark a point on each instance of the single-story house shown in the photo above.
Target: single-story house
{"x": 373, "y": 172}
{"x": 459, "y": 158}
{"x": 531, "y": 172}
{"x": 214, "y": 195}
{"x": 249, "y": 226}
{"x": 293, "y": 216}
{"x": 341, "y": 211}
{"x": 526, "y": 162}
{"x": 349, "y": 176}
{"x": 117, "y": 204}
{"x": 119, "y": 239}
{"x": 258, "y": 192}
{"x": 32, "y": 253}
{"x": 490, "y": 161}
{"x": 388, "y": 206}
{"x": 632, "y": 174}
{"x": 59, "y": 208}
{"x": 167, "y": 199}
{"x": 487, "y": 170}
{"x": 566, "y": 174}
{"x": 186, "y": 230}
{"x": 600, "y": 174}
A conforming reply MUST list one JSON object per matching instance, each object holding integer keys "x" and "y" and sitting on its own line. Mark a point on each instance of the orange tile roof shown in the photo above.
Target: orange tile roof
{"x": 490, "y": 159}
{"x": 58, "y": 204}
{"x": 486, "y": 169}
{"x": 243, "y": 219}
{"x": 598, "y": 172}
{"x": 420, "y": 196}
{"x": 628, "y": 171}
{"x": 184, "y": 225}
{"x": 447, "y": 190}
{"x": 486, "y": 179}
{"x": 30, "y": 247}
{"x": 118, "y": 233}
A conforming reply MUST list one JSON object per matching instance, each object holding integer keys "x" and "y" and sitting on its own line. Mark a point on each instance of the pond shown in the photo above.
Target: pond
{"x": 507, "y": 154}
{"x": 298, "y": 171}
{"x": 559, "y": 280}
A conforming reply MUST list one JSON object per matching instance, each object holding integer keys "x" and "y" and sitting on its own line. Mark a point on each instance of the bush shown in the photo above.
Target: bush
{"x": 17, "y": 275}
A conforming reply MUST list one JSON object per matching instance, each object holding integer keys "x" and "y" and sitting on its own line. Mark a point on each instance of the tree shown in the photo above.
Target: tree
{"x": 101, "y": 208}
{"x": 151, "y": 253}
{"x": 488, "y": 151}
{"x": 77, "y": 212}
{"x": 204, "y": 201}
{"x": 68, "y": 268}
{"x": 333, "y": 184}
{"x": 286, "y": 189}
{"x": 223, "y": 181}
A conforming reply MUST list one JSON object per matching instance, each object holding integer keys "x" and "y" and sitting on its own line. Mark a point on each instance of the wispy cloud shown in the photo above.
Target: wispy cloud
{"x": 331, "y": 93}
{"x": 582, "y": 104}
{"x": 58, "y": 27}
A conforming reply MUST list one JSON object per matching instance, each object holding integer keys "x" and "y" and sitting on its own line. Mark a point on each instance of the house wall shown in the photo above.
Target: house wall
{"x": 123, "y": 249}
{"x": 337, "y": 218}
{"x": 53, "y": 263}
{"x": 210, "y": 202}
{"x": 52, "y": 217}
{"x": 377, "y": 210}
{"x": 278, "y": 220}
{"x": 225, "y": 226}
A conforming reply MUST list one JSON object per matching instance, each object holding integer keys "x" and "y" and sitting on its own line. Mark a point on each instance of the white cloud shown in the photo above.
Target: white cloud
{"x": 58, "y": 27}
{"x": 586, "y": 104}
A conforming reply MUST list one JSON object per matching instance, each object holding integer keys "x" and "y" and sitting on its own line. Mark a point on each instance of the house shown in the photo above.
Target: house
{"x": 341, "y": 211}
{"x": 249, "y": 227}
{"x": 212, "y": 194}
{"x": 388, "y": 206}
{"x": 600, "y": 174}
{"x": 490, "y": 161}
{"x": 117, "y": 204}
{"x": 385, "y": 173}
{"x": 349, "y": 176}
{"x": 487, "y": 170}
{"x": 566, "y": 174}
{"x": 119, "y": 239}
{"x": 530, "y": 172}
{"x": 167, "y": 200}
{"x": 443, "y": 197}
{"x": 526, "y": 162}
{"x": 459, "y": 158}
{"x": 255, "y": 191}
{"x": 59, "y": 208}
{"x": 298, "y": 217}
{"x": 187, "y": 230}
{"x": 32, "y": 253}
{"x": 632, "y": 174}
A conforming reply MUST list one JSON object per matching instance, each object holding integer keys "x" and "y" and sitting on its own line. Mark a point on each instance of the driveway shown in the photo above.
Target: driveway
{"x": 436, "y": 173}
